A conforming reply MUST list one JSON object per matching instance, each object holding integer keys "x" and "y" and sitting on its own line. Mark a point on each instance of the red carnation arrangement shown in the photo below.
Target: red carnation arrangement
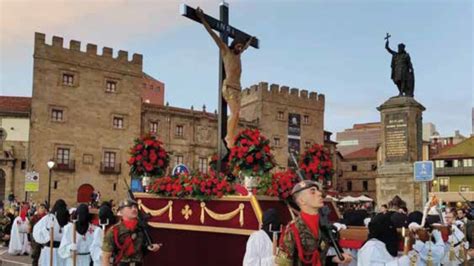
{"x": 197, "y": 185}
{"x": 316, "y": 164}
{"x": 251, "y": 154}
{"x": 147, "y": 156}
{"x": 280, "y": 184}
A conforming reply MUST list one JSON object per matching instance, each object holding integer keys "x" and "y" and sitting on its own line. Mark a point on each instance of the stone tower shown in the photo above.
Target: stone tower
{"x": 85, "y": 113}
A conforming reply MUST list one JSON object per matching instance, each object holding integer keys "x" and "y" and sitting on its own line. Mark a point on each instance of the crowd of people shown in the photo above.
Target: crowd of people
{"x": 437, "y": 235}
{"x": 89, "y": 236}
{"x": 84, "y": 235}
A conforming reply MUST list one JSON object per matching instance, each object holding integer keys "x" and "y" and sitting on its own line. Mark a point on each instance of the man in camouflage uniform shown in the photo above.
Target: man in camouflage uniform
{"x": 126, "y": 240}
{"x": 4, "y": 224}
{"x": 303, "y": 242}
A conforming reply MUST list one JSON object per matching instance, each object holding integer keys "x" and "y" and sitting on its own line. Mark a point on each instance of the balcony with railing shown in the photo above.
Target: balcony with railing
{"x": 110, "y": 168}
{"x": 454, "y": 171}
{"x": 65, "y": 165}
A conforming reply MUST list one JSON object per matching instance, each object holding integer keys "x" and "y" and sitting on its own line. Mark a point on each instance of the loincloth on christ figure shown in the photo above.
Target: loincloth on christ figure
{"x": 231, "y": 91}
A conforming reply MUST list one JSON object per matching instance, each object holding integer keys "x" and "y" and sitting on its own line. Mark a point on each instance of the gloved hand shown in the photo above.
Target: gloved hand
{"x": 339, "y": 226}
{"x": 73, "y": 247}
{"x": 51, "y": 222}
{"x": 414, "y": 226}
{"x": 437, "y": 236}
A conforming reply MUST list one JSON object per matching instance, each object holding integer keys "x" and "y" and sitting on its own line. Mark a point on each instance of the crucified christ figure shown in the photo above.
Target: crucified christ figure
{"x": 231, "y": 87}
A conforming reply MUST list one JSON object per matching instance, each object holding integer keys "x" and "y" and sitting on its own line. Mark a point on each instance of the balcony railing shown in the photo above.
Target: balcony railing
{"x": 65, "y": 165}
{"x": 110, "y": 168}
{"x": 454, "y": 171}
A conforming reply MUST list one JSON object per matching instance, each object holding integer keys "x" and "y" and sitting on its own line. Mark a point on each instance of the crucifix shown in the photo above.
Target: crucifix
{"x": 229, "y": 71}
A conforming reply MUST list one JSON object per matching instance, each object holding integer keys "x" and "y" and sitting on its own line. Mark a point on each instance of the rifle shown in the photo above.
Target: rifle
{"x": 142, "y": 217}
{"x": 325, "y": 226}
{"x": 466, "y": 201}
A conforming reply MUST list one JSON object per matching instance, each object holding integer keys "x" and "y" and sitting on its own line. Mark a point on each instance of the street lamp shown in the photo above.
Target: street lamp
{"x": 50, "y": 164}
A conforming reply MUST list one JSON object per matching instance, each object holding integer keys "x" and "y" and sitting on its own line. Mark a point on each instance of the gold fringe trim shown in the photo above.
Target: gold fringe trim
{"x": 168, "y": 207}
{"x": 223, "y": 216}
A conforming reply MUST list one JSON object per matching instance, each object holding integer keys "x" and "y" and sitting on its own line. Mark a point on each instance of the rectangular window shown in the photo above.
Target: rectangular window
{"x": 439, "y": 163}
{"x": 23, "y": 165}
{"x": 374, "y": 167}
{"x": 365, "y": 185}
{"x": 118, "y": 122}
{"x": 444, "y": 184}
{"x": 57, "y": 114}
{"x": 306, "y": 119}
{"x": 281, "y": 115}
{"x": 179, "y": 159}
{"x": 203, "y": 165}
{"x": 307, "y": 144}
{"x": 111, "y": 86}
{"x": 62, "y": 156}
{"x": 354, "y": 167}
{"x": 153, "y": 127}
{"x": 179, "y": 131}
{"x": 68, "y": 79}
{"x": 276, "y": 142}
{"x": 55, "y": 184}
{"x": 349, "y": 185}
{"x": 464, "y": 188}
{"x": 115, "y": 187}
{"x": 467, "y": 162}
{"x": 109, "y": 159}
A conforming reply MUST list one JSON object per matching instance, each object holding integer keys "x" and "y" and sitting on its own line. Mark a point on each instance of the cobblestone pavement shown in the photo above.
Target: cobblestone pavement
{"x": 9, "y": 260}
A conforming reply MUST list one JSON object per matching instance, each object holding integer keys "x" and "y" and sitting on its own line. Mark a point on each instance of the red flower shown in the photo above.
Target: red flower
{"x": 149, "y": 142}
{"x": 139, "y": 147}
{"x": 131, "y": 160}
{"x": 249, "y": 159}
{"x": 258, "y": 156}
{"x": 160, "y": 163}
{"x": 153, "y": 156}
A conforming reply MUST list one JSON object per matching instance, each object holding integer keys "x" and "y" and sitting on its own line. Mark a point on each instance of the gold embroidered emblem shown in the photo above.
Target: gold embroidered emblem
{"x": 186, "y": 212}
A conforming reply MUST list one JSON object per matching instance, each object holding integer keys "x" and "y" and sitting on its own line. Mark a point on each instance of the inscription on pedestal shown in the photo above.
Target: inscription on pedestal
{"x": 396, "y": 137}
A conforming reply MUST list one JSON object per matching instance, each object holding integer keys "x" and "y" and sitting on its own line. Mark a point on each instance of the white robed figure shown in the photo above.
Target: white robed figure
{"x": 106, "y": 219}
{"x": 456, "y": 239}
{"x": 57, "y": 219}
{"x": 260, "y": 248}
{"x": 19, "y": 243}
{"x": 83, "y": 232}
{"x": 382, "y": 247}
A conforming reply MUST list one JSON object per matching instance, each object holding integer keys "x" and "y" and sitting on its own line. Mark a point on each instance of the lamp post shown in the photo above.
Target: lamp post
{"x": 50, "y": 164}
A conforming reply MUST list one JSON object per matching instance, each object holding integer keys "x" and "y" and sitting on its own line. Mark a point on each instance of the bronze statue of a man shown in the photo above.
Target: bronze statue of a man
{"x": 402, "y": 70}
{"x": 231, "y": 88}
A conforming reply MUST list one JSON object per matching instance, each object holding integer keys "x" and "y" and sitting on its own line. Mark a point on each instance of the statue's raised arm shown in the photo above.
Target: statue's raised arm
{"x": 217, "y": 40}
{"x": 388, "y": 48}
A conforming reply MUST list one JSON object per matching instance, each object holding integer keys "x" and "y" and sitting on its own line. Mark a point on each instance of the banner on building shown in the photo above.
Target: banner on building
{"x": 294, "y": 135}
{"x": 31, "y": 182}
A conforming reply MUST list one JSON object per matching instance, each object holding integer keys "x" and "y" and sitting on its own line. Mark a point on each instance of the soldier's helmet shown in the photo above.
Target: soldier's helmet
{"x": 305, "y": 184}
{"x": 127, "y": 203}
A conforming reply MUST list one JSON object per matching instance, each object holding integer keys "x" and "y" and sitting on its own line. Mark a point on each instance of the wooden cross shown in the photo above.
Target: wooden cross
{"x": 222, "y": 26}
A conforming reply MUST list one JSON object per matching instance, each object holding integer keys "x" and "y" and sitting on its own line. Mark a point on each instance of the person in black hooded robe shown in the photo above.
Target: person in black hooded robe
{"x": 83, "y": 231}
{"x": 55, "y": 220}
{"x": 381, "y": 247}
{"x": 259, "y": 249}
{"x": 106, "y": 219}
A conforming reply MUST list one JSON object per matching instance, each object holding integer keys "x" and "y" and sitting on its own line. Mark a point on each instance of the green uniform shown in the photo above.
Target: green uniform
{"x": 288, "y": 253}
{"x": 118, "y": 240}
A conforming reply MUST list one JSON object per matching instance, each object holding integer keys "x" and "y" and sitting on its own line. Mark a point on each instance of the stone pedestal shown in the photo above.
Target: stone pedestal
{"x": 401, "y": 119}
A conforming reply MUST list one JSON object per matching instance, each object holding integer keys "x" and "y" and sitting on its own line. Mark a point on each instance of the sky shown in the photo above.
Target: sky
{"x": 333, "y": 47}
